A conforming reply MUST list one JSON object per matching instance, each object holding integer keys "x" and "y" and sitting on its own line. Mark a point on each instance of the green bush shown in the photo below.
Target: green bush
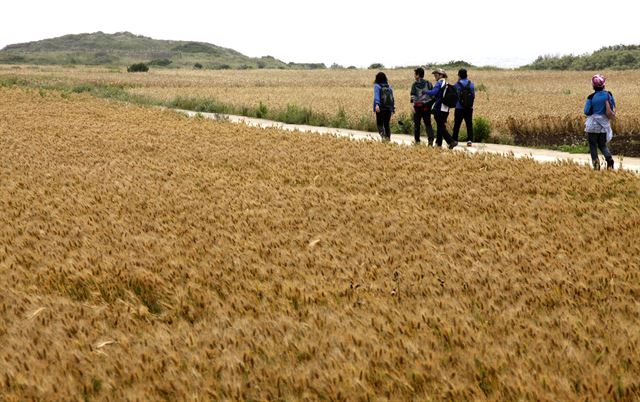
{"x": 160, "y": 62}
{"x": 403, "y": 124}
{"x": 204, "y": 105}
{"x": 261, "y": 111}
{"x": 366, "y": 124}
{"x": 301, "y": 115}
{"x": 340, "y": 120}
{"x": 481, "y": 129}
{"x": 138, "y": 68}
{"x": 376, "y": 66}
{"x": 197, "y": 66}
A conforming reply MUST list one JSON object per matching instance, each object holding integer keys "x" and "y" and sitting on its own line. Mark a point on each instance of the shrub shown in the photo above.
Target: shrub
{"x": 481, "y": 129}
{"x": 376, "y": 66}
{"x": 302, "y": 115}
{"x": 160, "y": 62}
{"x": 138, "y": 68}
{"x": 366, "y": 124}
{"x": 261, "y": 111}
{"x": 197, "y": 66}
{"x": 402, "y": 125}
{"x": 340, "y": 120}
{"x": 204, "y": 105}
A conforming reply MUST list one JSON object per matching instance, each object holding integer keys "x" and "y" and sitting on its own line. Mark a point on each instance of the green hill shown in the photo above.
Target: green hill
{"x": 620, "y": 57}
{"x": 125, "y": 48}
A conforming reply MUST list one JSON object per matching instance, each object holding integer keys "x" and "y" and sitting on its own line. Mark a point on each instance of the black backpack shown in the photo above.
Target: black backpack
{"x": 386, "y": 97}
{"x": 466, "y": 96}
{"x": 424, "y": 101}
{"x": 449, "y": 96}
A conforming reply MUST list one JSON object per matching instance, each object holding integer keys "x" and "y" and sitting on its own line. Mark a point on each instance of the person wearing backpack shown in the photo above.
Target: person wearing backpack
{"x": 464, "y": 106}
{"x": 421, "y": 106}
{"x": 445, "y": 98}
{"x": 600, "y": 110}
{"x": 383, "y": 105}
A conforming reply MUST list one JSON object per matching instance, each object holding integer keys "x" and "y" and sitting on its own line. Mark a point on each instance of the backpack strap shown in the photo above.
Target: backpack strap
{"x": 590, "y": 97}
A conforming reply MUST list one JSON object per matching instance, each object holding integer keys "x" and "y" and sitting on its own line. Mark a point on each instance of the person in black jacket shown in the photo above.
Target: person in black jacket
{"x": 421, "y": 106}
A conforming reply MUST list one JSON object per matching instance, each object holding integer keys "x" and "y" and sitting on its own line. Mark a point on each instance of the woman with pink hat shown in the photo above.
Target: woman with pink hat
{"x": 600, "y": 109}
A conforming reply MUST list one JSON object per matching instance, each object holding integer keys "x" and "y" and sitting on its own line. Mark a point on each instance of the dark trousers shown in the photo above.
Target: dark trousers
{"x": 421, "y": 115}
{"x": 467, "y": 116}
{"x": 383, "y": 120}
{"x": 599, "y": 140}
{"x": 442, "y": 132}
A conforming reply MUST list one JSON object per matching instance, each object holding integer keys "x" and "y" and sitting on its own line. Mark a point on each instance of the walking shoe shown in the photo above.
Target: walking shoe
{"x": 610, "y": 164}
{"x": 453, "y": 144}
{"x": 469, "y": 144}
{"x": 596, "y": 164}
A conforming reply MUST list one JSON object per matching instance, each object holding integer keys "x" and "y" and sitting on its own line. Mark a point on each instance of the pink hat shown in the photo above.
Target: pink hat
{"x": 598, "y": 80}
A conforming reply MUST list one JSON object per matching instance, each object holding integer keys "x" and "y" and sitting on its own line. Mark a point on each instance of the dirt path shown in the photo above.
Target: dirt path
{"x": 540, "y": 155}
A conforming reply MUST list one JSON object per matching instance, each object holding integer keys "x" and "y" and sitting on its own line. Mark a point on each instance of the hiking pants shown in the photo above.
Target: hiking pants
{"x": 383, "y": 120}
{"x": 425, "y": 116}
{"x": 467, "y": 116}
{"x": 441, "y": 122}
{"x": 599, "y": 140}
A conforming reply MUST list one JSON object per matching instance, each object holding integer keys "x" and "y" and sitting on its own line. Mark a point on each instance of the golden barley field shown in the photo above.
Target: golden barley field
{"x": 531, "y": 101}
{"x": 148, "y": 256}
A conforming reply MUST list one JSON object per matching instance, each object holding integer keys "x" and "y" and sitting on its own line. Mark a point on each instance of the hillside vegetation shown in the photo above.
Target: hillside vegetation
{"x": 125, "y": 48}
{"x": 148, "y": 256}
{"x": 620, "y": 57}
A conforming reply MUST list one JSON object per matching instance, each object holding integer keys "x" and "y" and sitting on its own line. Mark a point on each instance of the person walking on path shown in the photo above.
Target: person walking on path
{"x": 422, "y": 104}
{"x": 383, "y": 105}
{"x": 440, "y": 110}
{"x": 600, "y": 109}
{"x": 464, "y": 107}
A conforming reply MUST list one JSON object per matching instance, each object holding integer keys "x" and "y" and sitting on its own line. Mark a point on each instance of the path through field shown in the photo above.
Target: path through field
{"x": 540, "y": 155}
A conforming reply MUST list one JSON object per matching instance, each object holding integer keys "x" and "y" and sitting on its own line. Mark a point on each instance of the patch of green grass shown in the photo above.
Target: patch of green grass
{"x": 340, "y": 120}
{"x": 402, "y": 124}
{"x": 574, "y": 149}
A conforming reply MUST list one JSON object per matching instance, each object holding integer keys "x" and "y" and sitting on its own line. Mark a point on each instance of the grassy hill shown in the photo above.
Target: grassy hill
{"x": 125, "y": 48}
{"x": 620, "y": 57}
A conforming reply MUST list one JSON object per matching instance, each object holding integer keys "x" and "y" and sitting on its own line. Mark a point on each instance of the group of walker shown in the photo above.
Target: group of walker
{"x": 429, "y": 99}
{"x": 437, "y": 99}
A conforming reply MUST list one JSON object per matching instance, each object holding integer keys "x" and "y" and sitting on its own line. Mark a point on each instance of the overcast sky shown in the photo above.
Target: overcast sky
{"x": 400, "y": 32}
